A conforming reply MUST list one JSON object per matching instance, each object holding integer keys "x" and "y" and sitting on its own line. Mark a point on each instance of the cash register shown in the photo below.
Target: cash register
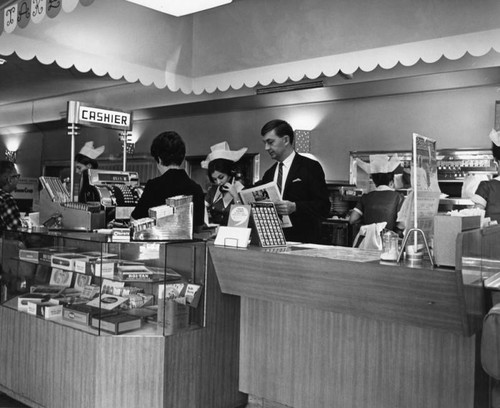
{"x": 117, "y": 191}
{"x": 105, "y": 196}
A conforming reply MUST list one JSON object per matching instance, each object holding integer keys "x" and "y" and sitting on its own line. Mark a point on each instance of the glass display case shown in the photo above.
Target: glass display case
{"x": 478, "y": 260}
{"x": 180, "y": 350}
{"x": 84, "y": 281}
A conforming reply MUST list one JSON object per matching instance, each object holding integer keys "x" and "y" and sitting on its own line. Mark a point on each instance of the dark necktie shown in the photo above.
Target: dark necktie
{"x": 279, "y": 180}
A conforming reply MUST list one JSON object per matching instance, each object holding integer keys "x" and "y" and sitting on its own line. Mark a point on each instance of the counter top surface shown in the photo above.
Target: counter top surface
{"x": 345, "y": 280}
{"x": 338, "y": 253}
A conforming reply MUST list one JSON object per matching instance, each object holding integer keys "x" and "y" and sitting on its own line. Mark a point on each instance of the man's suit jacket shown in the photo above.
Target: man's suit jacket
{"x": 306, "y": 187}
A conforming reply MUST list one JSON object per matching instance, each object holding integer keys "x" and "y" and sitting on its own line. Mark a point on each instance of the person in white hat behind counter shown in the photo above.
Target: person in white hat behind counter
{"x": 222, "y": 172}
{"x": 384, "y": 203}
{"x": 487, "y": 195}
{"x": 85, "y": 159}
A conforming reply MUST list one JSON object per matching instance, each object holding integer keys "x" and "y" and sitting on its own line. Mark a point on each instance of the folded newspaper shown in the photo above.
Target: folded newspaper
{"x": 265, "y": 192}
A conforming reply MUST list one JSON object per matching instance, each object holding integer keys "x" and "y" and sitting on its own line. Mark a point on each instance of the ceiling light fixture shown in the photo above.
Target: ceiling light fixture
{"x": 11, "y": 155}
{"x": 180, "y": 7}
{"x": 2, "y": 61}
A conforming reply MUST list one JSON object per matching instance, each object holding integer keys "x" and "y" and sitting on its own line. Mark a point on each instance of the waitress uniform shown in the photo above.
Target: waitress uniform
{"x": 218, "y": 203}
{"x": 380, "y": 205}
{"x": 488, "y": 196}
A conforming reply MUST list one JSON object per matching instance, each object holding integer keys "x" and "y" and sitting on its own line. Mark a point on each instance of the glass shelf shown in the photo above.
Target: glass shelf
{"x": 80, "y": 280}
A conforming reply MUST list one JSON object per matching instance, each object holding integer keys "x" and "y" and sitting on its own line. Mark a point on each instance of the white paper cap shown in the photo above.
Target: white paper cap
{"x": 90, "y": 151}
{"x": 222, "y": 151}
{"x": 380, "y": 163}
{"x": 495, "y": 137}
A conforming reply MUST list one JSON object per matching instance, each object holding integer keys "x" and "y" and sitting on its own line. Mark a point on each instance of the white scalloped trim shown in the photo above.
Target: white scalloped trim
{"x": 453, "y": 48}
{"x": 477, "y": 44}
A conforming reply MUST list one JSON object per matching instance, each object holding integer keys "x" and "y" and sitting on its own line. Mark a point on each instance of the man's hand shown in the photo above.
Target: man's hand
{"x": 285, "y": 207}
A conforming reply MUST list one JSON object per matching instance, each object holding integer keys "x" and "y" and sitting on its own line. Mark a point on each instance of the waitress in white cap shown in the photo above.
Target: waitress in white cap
{"x": 487, "y": 196}
{"x": 384, "y": 203}
{"x": 222, "y": 172}
{"x": 85, "y": 159}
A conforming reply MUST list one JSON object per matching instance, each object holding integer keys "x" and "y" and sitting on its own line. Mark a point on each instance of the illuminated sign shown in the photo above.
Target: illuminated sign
{"x": 79, "y": 113}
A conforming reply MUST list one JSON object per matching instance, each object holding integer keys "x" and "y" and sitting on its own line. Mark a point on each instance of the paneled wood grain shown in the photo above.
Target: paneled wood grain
{"x": 307, "y": 358}
{"x": 45, "y": 363}
{"x": 415, "y": 296}
{"x": 60, "y": 367}
{"x": 319, "y": 332}
{"x": 129, "y": 371}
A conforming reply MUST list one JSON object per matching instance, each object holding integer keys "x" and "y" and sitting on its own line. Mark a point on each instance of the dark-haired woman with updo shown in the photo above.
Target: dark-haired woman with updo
{"x": 487, "y": 195}
{"x": 169, "y": 150}
{"x": 226, "y": 183}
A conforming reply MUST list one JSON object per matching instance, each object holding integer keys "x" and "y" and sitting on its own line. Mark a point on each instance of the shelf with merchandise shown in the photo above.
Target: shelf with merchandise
{"x": 81, "y": 280}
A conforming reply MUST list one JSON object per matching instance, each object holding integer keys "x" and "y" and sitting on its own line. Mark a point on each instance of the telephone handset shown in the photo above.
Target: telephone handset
{"x": 225, "y": 187}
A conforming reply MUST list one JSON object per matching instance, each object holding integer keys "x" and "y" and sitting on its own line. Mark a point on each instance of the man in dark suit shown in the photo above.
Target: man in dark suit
{"x": 302, "y": 181}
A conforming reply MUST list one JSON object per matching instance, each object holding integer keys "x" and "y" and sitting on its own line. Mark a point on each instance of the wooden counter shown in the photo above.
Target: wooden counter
{"x": 319, "y": 329}
{"x": 47, "y": 364}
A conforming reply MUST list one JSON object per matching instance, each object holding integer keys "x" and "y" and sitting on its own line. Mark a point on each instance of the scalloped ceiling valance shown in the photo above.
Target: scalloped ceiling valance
{"x": 251, "y": 42}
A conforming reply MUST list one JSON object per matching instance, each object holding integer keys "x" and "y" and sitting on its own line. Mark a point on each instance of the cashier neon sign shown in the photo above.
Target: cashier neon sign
{"x": 104, "y": 117}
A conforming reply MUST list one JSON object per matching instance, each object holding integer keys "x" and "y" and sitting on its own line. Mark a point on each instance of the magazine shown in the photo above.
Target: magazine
{"x": 265, "y": 192}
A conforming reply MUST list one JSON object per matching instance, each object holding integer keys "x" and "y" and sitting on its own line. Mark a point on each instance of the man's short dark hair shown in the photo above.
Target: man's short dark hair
{"x": 6, "y": 167}
{"x": 280, "y": 127}
{"x": 169, "y": 147}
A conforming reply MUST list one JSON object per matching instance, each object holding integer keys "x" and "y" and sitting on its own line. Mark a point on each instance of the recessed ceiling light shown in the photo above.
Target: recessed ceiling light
{"x": 180, "y": 7}
{"x": 2, "y": 61}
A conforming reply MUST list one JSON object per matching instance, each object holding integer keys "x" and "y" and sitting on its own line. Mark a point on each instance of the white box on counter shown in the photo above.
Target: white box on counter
{"x": 49, "y": 310}
{"x": 66, "y": 261}
{"x": 40, "y": 255}
{"x": 446, "y": 229}
{"x": 103, "y": 267}
{"x": 23, "y": 300}
{"x": 52, "y": 311}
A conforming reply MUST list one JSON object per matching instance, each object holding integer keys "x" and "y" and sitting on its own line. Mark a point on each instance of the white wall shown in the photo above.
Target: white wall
{"x": 456, "y": 119}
